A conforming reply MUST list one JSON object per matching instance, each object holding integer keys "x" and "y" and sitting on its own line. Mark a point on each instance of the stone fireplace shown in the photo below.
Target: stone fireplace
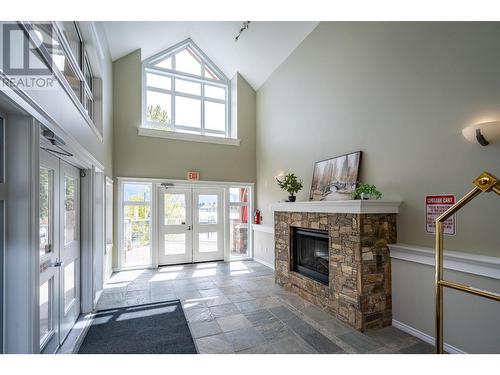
{"x": 335, "y": 255}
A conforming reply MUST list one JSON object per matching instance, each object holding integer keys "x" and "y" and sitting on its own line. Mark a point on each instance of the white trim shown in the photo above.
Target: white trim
{"x": 185, "y": 182}
{"x": 344, "y": 206}
{"x": 271, "y": 266}
{"x": 27, "y": 104}
{"x": 97, "y": 41}
{"x": 474, "y": 264}
{"x": 188, "y": 137}
{"x": 424, "y": 337}
{"x": 263, "y": 228}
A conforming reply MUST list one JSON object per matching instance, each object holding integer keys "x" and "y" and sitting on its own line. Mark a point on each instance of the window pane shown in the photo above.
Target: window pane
{"x": 175, "y": 209}
{"x": 156, "y": 80}
{"x": 136, "y": 221}
{"x": 136, "y": 192}
{"x": 45, "y": 210}
{"x": 215, "y": 116}
{"x": 71, "y": 34}
{"x": 158, "y": 107}
{"x": 187, "y": 87}
{"x": 45, "y": 309}
{"x": 109, "y": 213}
{"x": 207, "y": 242}
{"x": 69, "y": 284}
{"x": 207, "y": 72}
{"x": 207, "y": 209}
{"x": 166, "y": 64}
{"x": 186, "y": 61}
{"x": 215, "y": 92}
{"x": 238, "y": 230}
{"x": 238, "y": 194}
{"x": 89, "y": 105}
{"x": 175, "y": 244}
{"x": 70, "y": 75}
{"x": 88, "y": 74}
{"x": 69, "y": 209}
{"x": 187, "y": 112}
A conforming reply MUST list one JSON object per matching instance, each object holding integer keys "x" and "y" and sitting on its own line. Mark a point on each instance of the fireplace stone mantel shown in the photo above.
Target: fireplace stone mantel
{"x": 341, "y": 207}
{"x": 359, "y": 284}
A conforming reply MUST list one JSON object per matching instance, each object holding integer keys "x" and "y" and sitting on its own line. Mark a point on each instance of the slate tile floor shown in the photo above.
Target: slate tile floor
{"x": 236, "y": 307}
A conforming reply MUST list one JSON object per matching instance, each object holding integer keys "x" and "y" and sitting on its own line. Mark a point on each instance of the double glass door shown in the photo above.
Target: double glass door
{"x": 191, "y": 225}
{"x": 59, "y": 250}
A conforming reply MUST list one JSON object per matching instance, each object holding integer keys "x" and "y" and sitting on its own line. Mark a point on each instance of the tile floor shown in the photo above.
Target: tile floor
{"x": 236, "y": 307}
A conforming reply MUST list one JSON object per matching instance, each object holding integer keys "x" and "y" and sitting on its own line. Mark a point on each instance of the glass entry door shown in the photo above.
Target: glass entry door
{"x": 191, "y": 225}
{"x": 208, "y": 229}
{"x": 175, "y": 226}
{"x": 59, "y": 250}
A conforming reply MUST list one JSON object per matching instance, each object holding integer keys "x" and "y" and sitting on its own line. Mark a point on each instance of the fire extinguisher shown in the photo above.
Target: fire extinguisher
{"x": 257, "y": 218}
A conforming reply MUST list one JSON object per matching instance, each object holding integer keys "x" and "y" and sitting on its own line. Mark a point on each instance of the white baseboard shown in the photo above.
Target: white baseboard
{"x": 271, "y": 266}
{"x": 424, "y": 337}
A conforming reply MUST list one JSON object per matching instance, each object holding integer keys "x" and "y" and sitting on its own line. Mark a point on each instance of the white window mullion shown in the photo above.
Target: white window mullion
{"x": 228, "y": 112}
{"x": 172, "y": 96}
{"x": 203, "y": 108}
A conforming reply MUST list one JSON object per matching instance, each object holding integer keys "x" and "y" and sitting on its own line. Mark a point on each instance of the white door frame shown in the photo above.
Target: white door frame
{"x": 225, "y": 185}
{"x": 48, "y": 268}
{"x": 70, "y": 253}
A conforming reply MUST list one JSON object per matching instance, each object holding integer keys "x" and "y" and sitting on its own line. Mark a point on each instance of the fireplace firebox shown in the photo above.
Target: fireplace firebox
{"x": 310, "y": 253}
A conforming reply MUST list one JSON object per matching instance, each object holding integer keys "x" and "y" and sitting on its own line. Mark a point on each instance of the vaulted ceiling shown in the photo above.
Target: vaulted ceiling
{"x": 258, "y": 52}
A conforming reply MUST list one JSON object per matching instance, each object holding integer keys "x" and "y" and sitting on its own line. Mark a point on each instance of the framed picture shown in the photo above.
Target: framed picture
{"x": 335, "y": 178}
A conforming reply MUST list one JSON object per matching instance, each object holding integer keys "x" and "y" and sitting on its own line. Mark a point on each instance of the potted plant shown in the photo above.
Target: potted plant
{"x": 291, "y": 184}
{"x": 366, "y": 191}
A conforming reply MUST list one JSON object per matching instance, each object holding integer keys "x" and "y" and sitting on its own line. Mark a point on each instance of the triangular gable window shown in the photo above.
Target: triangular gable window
{"x": 184, "y": 92}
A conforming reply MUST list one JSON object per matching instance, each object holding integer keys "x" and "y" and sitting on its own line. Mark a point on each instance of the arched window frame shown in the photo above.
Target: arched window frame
{"x": 174, "y": 130}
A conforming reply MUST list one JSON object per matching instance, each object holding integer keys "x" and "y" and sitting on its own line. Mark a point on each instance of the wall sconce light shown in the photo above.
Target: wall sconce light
{"x": 483, "y": 133}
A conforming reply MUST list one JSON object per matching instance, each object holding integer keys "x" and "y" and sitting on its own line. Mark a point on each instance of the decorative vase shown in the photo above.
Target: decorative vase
{"x": 291, "y": 198}
{"x": 365, "y": 196}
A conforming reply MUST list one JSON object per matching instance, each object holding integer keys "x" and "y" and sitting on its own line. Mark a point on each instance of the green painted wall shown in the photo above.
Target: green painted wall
{"x": 401, "y": 93}
{"x": 139, "y": 156}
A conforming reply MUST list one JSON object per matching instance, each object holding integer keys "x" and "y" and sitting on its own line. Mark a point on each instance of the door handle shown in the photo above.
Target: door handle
{"x": 189, "y": 227}
{"x": 57, "y": 263}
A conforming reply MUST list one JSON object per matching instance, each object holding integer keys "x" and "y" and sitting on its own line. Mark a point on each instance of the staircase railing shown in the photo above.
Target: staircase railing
{"x": 485, "y": 183}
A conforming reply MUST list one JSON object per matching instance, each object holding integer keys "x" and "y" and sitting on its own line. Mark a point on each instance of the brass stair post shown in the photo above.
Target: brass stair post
{"x": 485, "y": 183}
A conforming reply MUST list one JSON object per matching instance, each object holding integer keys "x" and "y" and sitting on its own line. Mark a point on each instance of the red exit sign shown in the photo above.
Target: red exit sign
{"x": 192, "y": 175}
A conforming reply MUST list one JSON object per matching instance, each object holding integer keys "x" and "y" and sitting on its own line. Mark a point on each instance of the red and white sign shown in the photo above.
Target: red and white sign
{"x": 435, "y": 205}
{"x": 192, "y": 175}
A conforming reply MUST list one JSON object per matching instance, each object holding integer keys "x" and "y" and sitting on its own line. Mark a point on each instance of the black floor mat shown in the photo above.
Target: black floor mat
{"x": 155, "y": 328}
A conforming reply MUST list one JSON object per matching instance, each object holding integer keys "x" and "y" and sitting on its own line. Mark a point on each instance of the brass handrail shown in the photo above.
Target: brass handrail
{"x": 485, "y": 183}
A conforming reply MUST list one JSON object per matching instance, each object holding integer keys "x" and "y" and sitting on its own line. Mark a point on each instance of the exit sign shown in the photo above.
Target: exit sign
{"x": 192, "y": 175}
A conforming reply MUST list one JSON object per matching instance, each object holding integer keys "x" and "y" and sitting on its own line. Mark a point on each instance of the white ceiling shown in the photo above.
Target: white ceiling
{"x": 258, "y": 52}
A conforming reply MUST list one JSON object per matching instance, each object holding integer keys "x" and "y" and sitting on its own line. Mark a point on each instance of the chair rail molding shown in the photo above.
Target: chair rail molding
{"x": 480, "y": 265}
{"x": 263, "y": 228}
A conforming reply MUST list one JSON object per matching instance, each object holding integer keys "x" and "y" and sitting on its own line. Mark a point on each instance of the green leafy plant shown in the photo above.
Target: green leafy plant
{"x": 290, "y": 183}
{"x": 366, "y": 189}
